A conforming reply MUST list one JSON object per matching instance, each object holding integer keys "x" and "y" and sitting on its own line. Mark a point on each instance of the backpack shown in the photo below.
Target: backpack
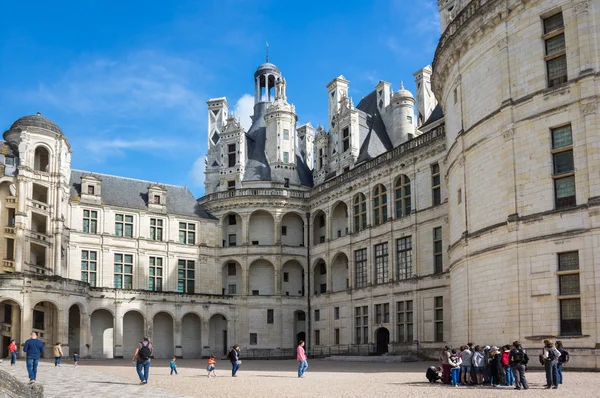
{"x": 566, "y": 357}
{"x": 520, "y": 357}
{"x": 231, "y": 356}
{"x": 144, "y": 352}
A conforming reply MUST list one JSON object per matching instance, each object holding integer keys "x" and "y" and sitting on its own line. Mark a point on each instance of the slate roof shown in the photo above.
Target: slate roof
{"x": 371, "y": 126}
{"x": 36, "y": 121}
{"x": 436, "y": 115}
{"x": 133, "y": 194}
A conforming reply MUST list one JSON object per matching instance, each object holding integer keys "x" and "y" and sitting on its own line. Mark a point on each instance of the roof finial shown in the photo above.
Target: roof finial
{"x": 401, "y": 85}
{"x": 267, "y": 52}
{"x": 39, "y": 113}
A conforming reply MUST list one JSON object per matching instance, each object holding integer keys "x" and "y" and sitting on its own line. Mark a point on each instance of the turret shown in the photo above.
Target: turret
{"x": 337, "y": 89}
{"x": 402, "y": 108}
{"x": 426, "y": 101}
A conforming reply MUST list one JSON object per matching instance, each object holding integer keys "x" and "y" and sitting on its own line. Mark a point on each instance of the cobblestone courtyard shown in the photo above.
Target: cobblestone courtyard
{"x": 117, "y": 379}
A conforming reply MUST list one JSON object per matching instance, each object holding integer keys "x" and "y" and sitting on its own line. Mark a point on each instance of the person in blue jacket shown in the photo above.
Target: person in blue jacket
{"x": 33, "y": 348}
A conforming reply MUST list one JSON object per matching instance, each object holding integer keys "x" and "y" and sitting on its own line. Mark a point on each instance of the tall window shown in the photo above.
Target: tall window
{"x": 346, "y": 139}
{"x": 402, "y": 196}
{"x": 404, "y": 320}
{"x": 270, "y": 316}
{"x": 123, "y": 271}
{"x": 253, "y": 338}
{"x": 382, "y": 313}
{"x": 186, "y": 276}
{"x": 286, "y": 157}
{"x": 381, "y": 263}
{"x": 437, "y": 250}
{"x": 231, "y": 158}
{"x": 361, "y": 324}
{"x": 317, "y": 315}
{"x": 336, "y": 336}
{"x": 360, "y": 262}
{"x": 317, "y": 337}
{"x": 438, "y": 309}
{"x": 569, "y": 294}
{"x": 360, "y": 212}
{"x": 336, "y": 313}
{"x": 90, "y": 221}
{"x": 320, "y": 158}
{"x": 155, "y": 272}
{"x": 404, "y": 257}
{"x": 156, "y": 229}
{"x": 556, "y": 54}
{"x": 124, "y": 225}
{"x": 286, "y": 134}
{"x": 379, "y": 205}
{"x": 187, "y": 233}
{"x": 563, "y": 171}
{"x": 89, "y": 264}
{"x": 436, "y": 194}
{"x": 231, "y": 269}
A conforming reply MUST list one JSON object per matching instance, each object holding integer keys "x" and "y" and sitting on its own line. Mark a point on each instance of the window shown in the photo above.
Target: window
{"x": 230, "y": 185}
{"x": 317, "y": 337}
{"x": 9, "y": 160}
{"x": 256, "y": 292}
{"x": 382, "y": 313}
{"x": 321, "y": 221}
{"x": 186, "y": 276}
{"x": 438, "y": 309}
{"x": 156, "y": 229}
{"x": 459, "y": 195}
{"x": 157, "y": 199}
{"x": 302, "y": 316}
{"x": 402, "y": 196}
{"x": 361, "y": 324}
{"x": 90, "y": 221}
{"x": 404, "y": 257}
{"x": 286, "y": 276}
{"x": 437, "y": 250}
{"x": 346, "y": 139}
{"x": 404, "y": 321}
{"x": 360, "y": 261}
{"x": 569, "y": 294}
{"x": 336, "y": 313}
{"x": 90, "y": 190}
{"x": 270, "y": 316}
{"x": 124, "y": 225}
{"x": 123, "y": 271}
{"x": 38, "y": 320}
{"x": 455, "y": 94}
{"x": 231, "y": 158}
{"x": 336, "y": 336}
{"x": 89, "y": 264}
{"x": 232, "y": 239}
{"x": 555, "y": 50}
{"x": 286, "y": 134}
{"x": 187, "y": 233}
{"x": 286, "y": 182}
{"x": 232, "y": 220}
{"x": 323, "y": 288}
{"x": 563, "y": 171}
{"x": 155, "y": 282}
{"x": 321, "y": 158}
{"x": 409, "y": 119}
{"x": 360, "y": 212}
{"x": 283, "y": 230}
{"x": 381, "y": 263}
{"x": 317, "y": 315}
{"x": 435, "y": 184}
{"x": 253, "y": 339}
{"x": 232, "y": 289}
{"x": 379, "y": 205}
{"x": 286, "y": 157}
{"x": 231, "y": 269}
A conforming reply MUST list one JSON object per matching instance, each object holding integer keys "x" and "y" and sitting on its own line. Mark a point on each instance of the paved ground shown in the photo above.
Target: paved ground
{"x": 117, "y": 378}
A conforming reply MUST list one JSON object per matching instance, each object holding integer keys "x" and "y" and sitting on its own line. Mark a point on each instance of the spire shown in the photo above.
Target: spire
{"x": 267, "y": 52}
{"x": 401, "y": 85}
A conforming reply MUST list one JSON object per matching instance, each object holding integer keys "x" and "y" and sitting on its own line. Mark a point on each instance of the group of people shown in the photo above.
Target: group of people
{"x": 498, "y": 367}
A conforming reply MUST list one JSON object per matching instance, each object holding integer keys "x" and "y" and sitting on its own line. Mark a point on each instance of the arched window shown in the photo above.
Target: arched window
{"x": 402, "y": 196}
{"x": 41, "y": 159}
{"x": 379, "y": 205}
{"x": 360, "y": 212}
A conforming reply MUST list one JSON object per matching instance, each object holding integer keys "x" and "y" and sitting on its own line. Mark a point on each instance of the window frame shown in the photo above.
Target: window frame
{"x": 436, "y": 182}
{"x": 382, "y": 269}
{"x": 188, "y": 229}
{"x": 88, "y": 274}
{"x": 560, "y": 150}
{"x": 127, "y": 220}
{"x": 360, "y": 268}
{"x": 90, "y": 222}
{"x": 155, "y": 273}
{"x": 123, "y": 275}
{"x": 570, "y": 326}
{"x": 438, "y": 318}
{"x": 185, "y": 283}
{"x": 438, "y": 251}
{"x": 359, "y": 212}
{"x": 156, "y": 229}
{"x": 402, "y": 196}
{"x": 405, "y": 321}
{"x": 380, "y": 205}
{"x": 560, "y": 55}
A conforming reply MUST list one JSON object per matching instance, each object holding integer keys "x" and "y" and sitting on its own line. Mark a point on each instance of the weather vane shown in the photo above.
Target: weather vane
{"x": 267, "y": 52}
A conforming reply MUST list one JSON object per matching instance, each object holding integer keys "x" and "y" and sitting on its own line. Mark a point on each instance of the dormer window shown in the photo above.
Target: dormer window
{"x": 231, "y": 158}
{"x": 91, "y": 189}
{"x": 346, "y": 139}
{"x": 157, "y": 199}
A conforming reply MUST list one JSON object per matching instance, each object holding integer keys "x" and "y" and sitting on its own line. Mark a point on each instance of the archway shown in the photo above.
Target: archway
{"x": 292, "y": 230}
{"x": 102, "y": 325}
{"x": 339, "y": 273}
{"x": 232, "y": 229}
{"x": 191, "y": 342}
{"x": 45, "y": 324}
{"x": 231, "y": 278}
{"x": 261, "y": 228}
{"x": 339, "y": 221}
{"x": 162, "y": 335}
{"x": 41, "y": 159}
{"x": 382, "y": 336}
{"x": 261, "y": 278}
{"x": 320, "y": 277}
{"x": 292, "y": 279}
{"x": 218, "y": 335}
{"x": 10, "y": 316}
{"x": 133, "y": 331}
{"x": 74, "y": 331}
{"x": 299, "y": 326}
{"x": 319, "y": 227}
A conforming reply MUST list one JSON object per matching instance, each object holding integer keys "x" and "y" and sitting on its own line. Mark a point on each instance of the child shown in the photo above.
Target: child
{"x": 212, "y": 364}
{"x": 433, "y": 374}
{"x": 173, "y": 365}
{"x": 510, "y": 380}
{"x": 455, "y": 362}
{"x": 75, "y": 358}
{"x": 497, "y": 375}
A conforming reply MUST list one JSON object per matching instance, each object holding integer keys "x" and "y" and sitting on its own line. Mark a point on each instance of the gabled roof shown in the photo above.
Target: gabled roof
{"x": 436, "y": 115}
{"x": 377, "y": 140}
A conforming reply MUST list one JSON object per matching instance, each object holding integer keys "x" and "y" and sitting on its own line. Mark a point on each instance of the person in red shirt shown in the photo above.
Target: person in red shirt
{"x": 12, "y": 351}
{"x": 301, "y": 357}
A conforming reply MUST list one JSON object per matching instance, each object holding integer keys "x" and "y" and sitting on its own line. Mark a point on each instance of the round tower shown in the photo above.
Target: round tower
{"x": 403, "y": 110}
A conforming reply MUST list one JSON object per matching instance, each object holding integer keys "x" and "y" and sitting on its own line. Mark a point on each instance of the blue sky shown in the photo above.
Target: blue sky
{"x": 127, "y": 81}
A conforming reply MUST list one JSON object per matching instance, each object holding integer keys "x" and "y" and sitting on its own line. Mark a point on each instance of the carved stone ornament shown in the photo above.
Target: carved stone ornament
{"x": 581, "y": 7}
{"x": 589, "y": 108}
{"x": 508, "y": 134}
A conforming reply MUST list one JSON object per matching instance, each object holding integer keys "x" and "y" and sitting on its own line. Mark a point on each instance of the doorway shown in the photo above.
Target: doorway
{"x": 382, "y": 336}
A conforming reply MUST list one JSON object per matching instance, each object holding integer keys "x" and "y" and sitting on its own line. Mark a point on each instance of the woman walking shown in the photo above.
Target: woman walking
{"x": 301, "y": 357}
{"x": 234, "y": 358}
{"x": 57, "y": 354}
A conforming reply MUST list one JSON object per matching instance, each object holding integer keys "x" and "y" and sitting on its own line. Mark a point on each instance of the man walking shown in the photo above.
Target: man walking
{"x": 34, "y": 348}
{"x": 141, "y": 358}
{"x": 301, "y": 357}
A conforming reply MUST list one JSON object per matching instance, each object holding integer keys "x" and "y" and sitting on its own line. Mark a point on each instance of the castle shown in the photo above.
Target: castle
{"x": 402, "y": 225}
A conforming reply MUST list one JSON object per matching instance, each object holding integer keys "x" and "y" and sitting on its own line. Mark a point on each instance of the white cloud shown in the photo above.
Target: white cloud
{"x": 197, "y": 172}
{"x": 244, "y": 108}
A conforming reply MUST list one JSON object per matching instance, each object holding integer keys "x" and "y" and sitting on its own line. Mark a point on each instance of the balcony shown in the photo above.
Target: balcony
{"x": 11, "y": 200}
{"x": 264, "y": 250}
{"x": 9, "y": 231}
{"x": 41, "y": 237}
{"x": 5, "y": 328}
{"x": 40, "y": 206}
{"x": 8, "y": 265}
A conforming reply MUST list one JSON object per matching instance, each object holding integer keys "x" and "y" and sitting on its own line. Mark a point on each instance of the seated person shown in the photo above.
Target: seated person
{"x": 433, "y": 374}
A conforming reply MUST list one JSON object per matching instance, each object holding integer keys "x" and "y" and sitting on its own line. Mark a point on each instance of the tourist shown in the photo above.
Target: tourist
{"x": 75, "y": 358}
{"x": 455, "y": 362}
{"x": 486, "y": 371}
{"x": 173, "y": 365}
{"x": 33, "y": 348}
{"x": 141, "y": 358}
{"x": 12, "y": 352}
{"x": 234, "y": 358}
{"x": 466, "y": 355}
{"x": 57, "y": 354}
{"x": 446, "y": 365}
{"x": 497, "y": 375}
{"x": 510, "y": 380}
{"x": 433, "y": 374}
{"x": 518, "y": 362}
{"x": 212, "y": 365}
{"x": 562, "y": 359}
{"x": 549, "y": 357}
{"x": 301, "y": 357}
{"x": 479, "y": 363}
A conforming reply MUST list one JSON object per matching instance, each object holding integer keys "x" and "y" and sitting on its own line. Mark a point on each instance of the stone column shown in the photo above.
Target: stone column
{"x": 84, "y": 330}
{"x": 26, "y": 321}
{"x": 205, "y": 333}
{"x": 587, "y": 50}
{"x": 277, "y": 229}
{"x": 268, "y": 92}
{"x": 118, "y": 331}
{"x": 245, "y": 221}
{"x": 178, "y": 336}
{"x": 63, "y": 329}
